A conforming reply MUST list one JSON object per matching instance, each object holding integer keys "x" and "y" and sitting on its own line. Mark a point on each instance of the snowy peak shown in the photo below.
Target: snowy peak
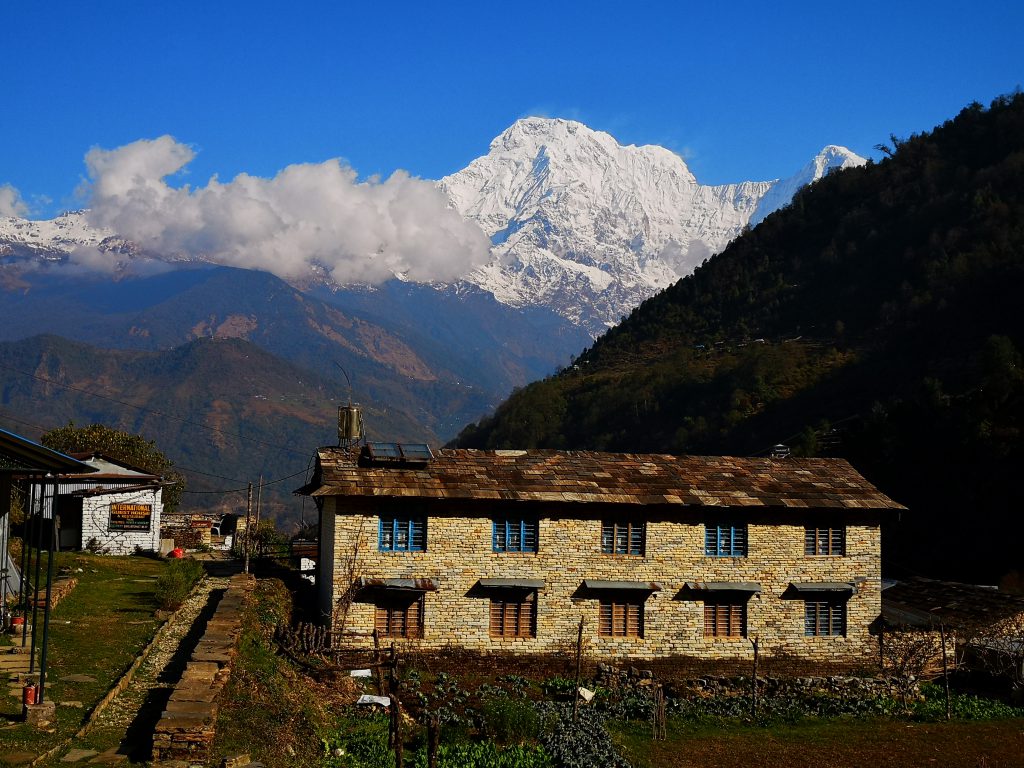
{"x": 590, "y": 228}
{"x": 831, "y": 158}
{"x": 539, "y": 163}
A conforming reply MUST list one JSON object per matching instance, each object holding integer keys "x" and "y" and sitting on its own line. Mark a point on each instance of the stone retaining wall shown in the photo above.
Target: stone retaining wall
{"x": 186, "y": 728}
{"x": 852, "y": 687}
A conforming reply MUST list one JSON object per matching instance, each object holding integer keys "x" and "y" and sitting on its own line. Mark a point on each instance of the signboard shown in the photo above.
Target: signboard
{"x": 130, "y": 517}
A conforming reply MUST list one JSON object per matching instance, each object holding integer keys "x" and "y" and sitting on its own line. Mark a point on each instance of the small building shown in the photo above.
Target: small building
{"x": 658, "y": 555}
{"x": 114, "y": 509}
{"x": 983, "y": 626}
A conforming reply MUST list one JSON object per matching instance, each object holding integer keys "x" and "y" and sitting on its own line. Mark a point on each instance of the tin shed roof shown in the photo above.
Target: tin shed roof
{"x": 926, "y": 602}
{"x": 591, "y": 476}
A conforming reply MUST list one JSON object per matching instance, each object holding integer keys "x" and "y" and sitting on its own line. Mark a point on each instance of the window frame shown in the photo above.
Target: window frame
{"x": 713, "y": 539}
{"x": 632, "y": 534}
{"x": 825, "y": 618}
{"x": 515, "y": 607}
{"x": 394, "y": 609}
{"x": 412, "y": 525}
{"x": 528, "y": 529}
{"x": 621, "y": 616}
{"x": 735, "y": 616}
{"x": 829, "y": 538}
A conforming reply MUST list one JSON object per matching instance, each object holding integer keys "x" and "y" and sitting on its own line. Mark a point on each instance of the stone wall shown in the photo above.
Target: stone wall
{"x": 96, "y": 524}
{"x": 459, "y": 553}
{"x": 845, "y": 686}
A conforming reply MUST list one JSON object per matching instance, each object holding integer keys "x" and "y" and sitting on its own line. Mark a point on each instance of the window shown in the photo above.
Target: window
{"x": 725, "y": 617}
{"x": 824, "y": 541}
{"x": 515, "y": 535}
{"x": 514, "y": 614}
{"x": 725, "y": 540}
{"x": 403, "y": 533}
{"x": 399, "y": 615}
{"x": 622, "y": 538}
{"x": 823, "y": 618}
{"x": 621, "y": 617}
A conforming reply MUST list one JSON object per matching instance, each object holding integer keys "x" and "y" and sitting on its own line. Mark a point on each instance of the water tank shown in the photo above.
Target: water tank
{"x": 350, "y": 425}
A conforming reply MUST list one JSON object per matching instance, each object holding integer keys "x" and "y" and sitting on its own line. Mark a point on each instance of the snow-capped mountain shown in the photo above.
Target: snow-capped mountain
{"x": 55, "y": 239}
{"x": 579, "y": 224}
{"x": 590, "y": 228}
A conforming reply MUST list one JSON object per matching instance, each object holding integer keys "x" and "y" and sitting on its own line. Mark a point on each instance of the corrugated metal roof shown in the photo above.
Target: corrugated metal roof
{"x": 20, "y": 455}
{"x": 415, "y": 585}
{"x": 523, "y": 583}
{"x": 644, "y": 586}
{"x": 590, "y": 476}
{"x": 822, "y": 586}
{"x": 724, "y": 586}
{"x": 927, "y": 602}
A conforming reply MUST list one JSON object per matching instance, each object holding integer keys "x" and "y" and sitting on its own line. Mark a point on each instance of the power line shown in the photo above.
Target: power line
{"x": 144, "y": 409}
{"x": 246, "y": 488}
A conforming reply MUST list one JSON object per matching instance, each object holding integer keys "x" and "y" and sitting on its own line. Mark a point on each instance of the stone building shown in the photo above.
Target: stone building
{"x": 658, "y": 555}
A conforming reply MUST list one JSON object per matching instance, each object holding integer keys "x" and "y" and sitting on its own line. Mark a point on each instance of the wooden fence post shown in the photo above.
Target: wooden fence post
{"x": 579, "y": 669}
{"x": 945, "y": 671}
{"x": 753, "y": 681}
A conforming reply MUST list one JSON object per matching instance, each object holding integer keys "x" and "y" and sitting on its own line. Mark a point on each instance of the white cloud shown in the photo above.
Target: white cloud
{"x": 11, "y": 203}
{"x": 309, "y": 215}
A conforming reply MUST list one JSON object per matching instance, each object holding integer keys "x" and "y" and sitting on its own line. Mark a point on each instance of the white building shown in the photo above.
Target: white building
{"x": 115, "y": 510}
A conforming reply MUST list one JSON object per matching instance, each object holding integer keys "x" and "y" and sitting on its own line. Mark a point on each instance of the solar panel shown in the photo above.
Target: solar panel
{"x": 384, "y": 450}
{"x": 396, "y": 453}
{"x": 416, "y": 451}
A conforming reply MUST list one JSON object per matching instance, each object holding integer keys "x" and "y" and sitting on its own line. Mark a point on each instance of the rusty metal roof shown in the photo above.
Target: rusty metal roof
{"x": 591, "y": 476}
{"x": 926, "y": 602}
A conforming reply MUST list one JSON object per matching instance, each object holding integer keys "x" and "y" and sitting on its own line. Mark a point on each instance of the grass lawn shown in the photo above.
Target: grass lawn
{"x": 95, "y": 631}
{"x": 878, "y": 743}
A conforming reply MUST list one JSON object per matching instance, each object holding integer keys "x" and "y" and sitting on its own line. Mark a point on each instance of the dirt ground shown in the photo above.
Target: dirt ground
{"x": 837, "y": 744}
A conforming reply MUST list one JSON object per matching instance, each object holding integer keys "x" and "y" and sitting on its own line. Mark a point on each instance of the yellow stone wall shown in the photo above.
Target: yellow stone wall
{"x": 459, "y": 553}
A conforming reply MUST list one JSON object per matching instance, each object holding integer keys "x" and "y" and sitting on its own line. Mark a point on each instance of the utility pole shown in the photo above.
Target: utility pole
{"x": 248, "y": 530}
{"x": 259, "y": 504}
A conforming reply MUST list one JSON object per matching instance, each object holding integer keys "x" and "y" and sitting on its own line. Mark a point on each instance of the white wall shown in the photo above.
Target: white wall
{"x": 96, "y": 523}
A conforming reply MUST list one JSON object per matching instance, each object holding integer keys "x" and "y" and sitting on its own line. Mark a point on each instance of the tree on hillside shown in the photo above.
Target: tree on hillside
{"x": 120, "y": 446}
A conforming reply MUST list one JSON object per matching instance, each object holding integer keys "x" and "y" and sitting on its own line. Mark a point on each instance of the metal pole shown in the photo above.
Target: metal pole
{"x": 39, "y": 569}
{"x": 26, "y": 559}
{"x": 248, "y": 529}
{"x": 50, "y": 557}
{"x": 5, "y": 536}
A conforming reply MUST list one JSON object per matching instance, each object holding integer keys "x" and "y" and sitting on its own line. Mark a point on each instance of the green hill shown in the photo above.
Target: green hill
{"x": 876, "y": 317}
{"x": 223, "y": 410}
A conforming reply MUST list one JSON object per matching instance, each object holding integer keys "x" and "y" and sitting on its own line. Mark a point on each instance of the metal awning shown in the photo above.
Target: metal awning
{"x": 724, "y": 586}
{"x": 639, "y": 586}
{"x": 514, "y": 583}
{"x": 822, "y": 586}
{"x": 411, "y": 585}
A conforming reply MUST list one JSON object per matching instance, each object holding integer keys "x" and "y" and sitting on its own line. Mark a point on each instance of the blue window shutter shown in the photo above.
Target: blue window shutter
{"x": 494, "y": 536}
{"x": 417, "y": 534}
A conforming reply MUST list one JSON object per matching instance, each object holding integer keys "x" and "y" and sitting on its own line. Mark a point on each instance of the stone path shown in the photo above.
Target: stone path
{"x": 129, "y": 719}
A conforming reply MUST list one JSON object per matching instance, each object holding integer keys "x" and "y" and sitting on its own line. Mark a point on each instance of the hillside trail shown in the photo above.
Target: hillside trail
{"x": 122, "y": 733}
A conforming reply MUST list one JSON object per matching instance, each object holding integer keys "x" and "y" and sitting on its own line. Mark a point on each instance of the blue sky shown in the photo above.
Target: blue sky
{"x": 742, "y": 90}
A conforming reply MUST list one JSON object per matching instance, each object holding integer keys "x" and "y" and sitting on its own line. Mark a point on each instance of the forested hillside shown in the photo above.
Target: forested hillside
{"x": 877, "y": 317}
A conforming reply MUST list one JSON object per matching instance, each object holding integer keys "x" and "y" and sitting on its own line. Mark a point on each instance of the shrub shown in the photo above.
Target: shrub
{"x": 510, "y": 721}
{"x": 176, "y": 582}
{"x": 581, "y": 744}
